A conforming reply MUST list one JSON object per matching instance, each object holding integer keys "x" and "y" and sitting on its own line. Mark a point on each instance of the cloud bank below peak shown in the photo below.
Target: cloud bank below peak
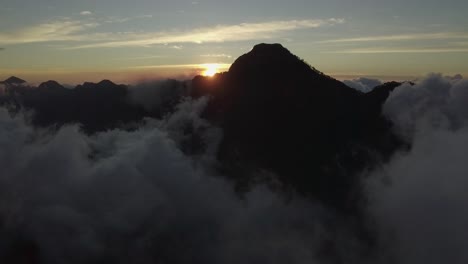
{"x": 418, "y": 198}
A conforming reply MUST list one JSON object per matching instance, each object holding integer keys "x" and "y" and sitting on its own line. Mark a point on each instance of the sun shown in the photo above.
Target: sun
{"x": 211, "y": 69}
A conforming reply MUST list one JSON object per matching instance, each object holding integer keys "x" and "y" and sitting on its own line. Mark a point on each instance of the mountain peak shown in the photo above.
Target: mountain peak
{"x": 275, "y": 48}
{"x": 106, "y": 83}
{"x": 51, "y": 85}
{"x": 14, "y": 81}
{"x": 268, "y": 60}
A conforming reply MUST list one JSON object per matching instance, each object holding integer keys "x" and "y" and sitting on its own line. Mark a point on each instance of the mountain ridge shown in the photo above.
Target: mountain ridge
{"x": 287, "y": 106}
{"x": 269, "y": 104}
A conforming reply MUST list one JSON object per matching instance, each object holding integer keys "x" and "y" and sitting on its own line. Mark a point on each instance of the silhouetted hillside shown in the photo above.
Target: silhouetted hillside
{"x": 278, "y": 115}
{"x": 14, "y": 81}
{"x": 282, "y": 122}
{"x": 282, "y": 115}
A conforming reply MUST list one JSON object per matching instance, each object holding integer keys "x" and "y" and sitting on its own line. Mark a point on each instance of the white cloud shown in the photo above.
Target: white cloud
{"x": 419, "y": 198}
{"x": 216, "y": 56}
{"x": 86, "y": 13}
{"x": 220, "y": 33}
{"x": 400, "y": 50}
{"x": 113, "y": 19}
{"x": 434, "y": 103}
{"x": 401, "y": 37}
{"x": 67, "y": 30}
{"x": 78, "y": 31}
{"x": 363, "y": 84}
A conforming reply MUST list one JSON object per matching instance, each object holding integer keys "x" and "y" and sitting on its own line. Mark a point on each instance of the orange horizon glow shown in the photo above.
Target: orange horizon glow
{"x": 211, "y": 69}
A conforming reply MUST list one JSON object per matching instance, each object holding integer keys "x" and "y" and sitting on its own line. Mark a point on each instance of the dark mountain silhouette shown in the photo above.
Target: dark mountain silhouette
{"x": 14, "y": 81}
{"x": 50, "y": 86}
{"x": 283, "y": 122}
{"x": 312, "y": 131}
{"x": 279, "y": 116}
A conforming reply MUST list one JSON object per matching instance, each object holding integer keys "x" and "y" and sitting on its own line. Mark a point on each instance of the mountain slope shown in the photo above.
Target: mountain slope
{"x": 279, "y": 114}
{"x": 279, "y": 117}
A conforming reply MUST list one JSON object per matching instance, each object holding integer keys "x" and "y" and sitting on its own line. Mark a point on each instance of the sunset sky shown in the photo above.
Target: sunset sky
{"x": 74, "y": 41}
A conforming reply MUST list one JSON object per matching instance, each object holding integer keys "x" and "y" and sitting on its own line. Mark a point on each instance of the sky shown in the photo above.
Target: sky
{"x": 127, "y": 41}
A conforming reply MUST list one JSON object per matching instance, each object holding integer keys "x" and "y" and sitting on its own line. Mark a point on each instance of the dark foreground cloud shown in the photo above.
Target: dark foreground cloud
{"x": 364, "y": 85}
{"x": 133, "y": 197}
{"x": 419, "y": 198}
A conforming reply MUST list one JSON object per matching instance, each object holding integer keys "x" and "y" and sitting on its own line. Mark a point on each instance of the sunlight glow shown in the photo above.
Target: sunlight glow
{"x": 211, "y": 69}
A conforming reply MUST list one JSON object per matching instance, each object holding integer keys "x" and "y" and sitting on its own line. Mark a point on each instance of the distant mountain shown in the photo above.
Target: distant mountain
{"x": 14, "y": 81}
{"x": 50, "y": 86}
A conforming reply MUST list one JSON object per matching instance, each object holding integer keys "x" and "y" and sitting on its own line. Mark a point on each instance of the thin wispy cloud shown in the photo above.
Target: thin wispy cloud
{"x": 79, "y": 31}
{"x": 399, "y": 50}
{"x": 220, "y": 33}
{"x": 402, "y": 37}
{"x": 216, "y": 56}
{"x": 50, "y": 32}
{"x": 114, "y": 19}
{"x": 143, "y": 57}
{"x": 86, "y": 13}
{"x": 179, "y": 66}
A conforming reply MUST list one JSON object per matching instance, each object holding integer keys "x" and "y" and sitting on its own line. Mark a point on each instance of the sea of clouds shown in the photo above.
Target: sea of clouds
{"x": 132, "y": 196}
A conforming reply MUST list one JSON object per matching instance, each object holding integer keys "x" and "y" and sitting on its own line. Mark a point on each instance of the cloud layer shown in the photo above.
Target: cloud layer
{"x": 402, "y": 37}
{"x": 123, "y": 196}
{"x": 419, "y": 198}
{"x": 64, "y": 30}
{"x": 134, "y": 196}
{"x": 78, "y": 31}
{"x": 220, "y": 33}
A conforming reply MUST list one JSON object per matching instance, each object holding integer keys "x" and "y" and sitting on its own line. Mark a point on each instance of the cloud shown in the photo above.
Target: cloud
{"x": 446, "y": 46}
{"x": 419, "y": 198}
{"x": 364, "y": 85}
{"x": 184, "y": 66}
{"x": 67, "y": 30}
{"x": 114, "y": 19}
{"x": 400, "y": 50}
{"x": 402, "y": 37}
{"x": 122, "y": 196}
{"x": 435, "y": 102}
{"x": 222, "y": 55}
{"x": 220, "y": 33}
{"x": 78, "y": 31}
{"x": 86, "y": 13}
{"x": 143, "y": 57}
